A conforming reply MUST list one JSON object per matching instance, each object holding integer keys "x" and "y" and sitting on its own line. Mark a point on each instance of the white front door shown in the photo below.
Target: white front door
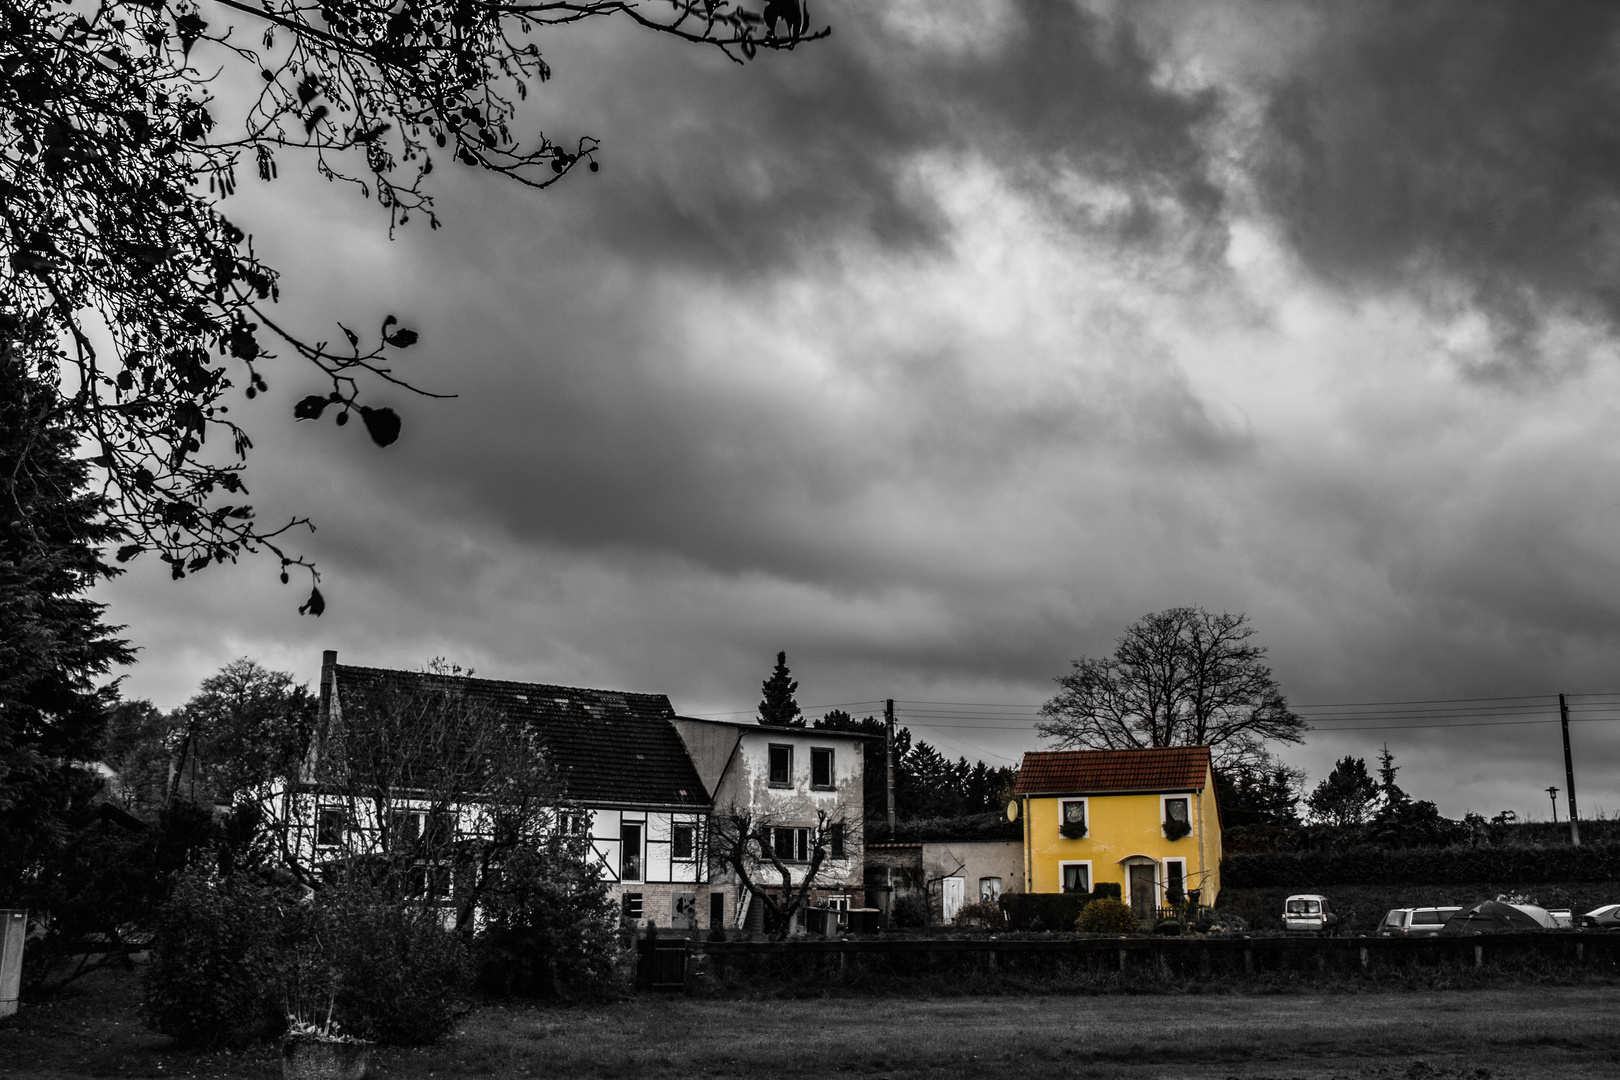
{"x": 955, "y": 890}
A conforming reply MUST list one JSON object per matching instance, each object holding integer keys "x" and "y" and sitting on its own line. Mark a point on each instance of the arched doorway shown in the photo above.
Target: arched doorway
{"x": 1142, "y": 885}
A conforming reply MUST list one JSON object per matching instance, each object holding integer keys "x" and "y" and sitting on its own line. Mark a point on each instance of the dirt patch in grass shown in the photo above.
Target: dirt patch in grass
{"x": 1559, "y": 1032}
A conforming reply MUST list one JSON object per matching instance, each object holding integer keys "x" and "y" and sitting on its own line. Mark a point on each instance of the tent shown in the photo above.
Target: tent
{"x": 1494, "y": 916}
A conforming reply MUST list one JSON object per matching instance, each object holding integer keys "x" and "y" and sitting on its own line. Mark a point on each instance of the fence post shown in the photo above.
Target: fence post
{"x": 1364, "y": 958}
{"x": 1122, "y": 959}
{"x": 1479, "y": 956}
{"x": 1248, "y": 959}
{"x": 1580, "y": 952}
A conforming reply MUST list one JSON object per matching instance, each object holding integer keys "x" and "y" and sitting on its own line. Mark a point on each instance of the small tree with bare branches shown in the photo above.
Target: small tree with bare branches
{"x": 764, "y": 847}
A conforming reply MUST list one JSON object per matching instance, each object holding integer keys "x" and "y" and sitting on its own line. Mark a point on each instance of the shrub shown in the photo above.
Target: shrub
{"x": 392, "y": 970}
{"x": 1421, "y": 866}
{"x": 215, "y": 977}
{"x": 909, "y": 911}
{"x": 1107, "y": 916}
{"x": 553, "y": 928}
{"x": 982, "y": 913}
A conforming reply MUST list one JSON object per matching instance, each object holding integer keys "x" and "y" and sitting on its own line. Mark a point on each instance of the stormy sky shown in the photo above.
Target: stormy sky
{"x": 937, "y": 352}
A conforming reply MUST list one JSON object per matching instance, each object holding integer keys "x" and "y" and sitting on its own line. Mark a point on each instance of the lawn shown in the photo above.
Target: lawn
{"x": 1541, "y": 1031}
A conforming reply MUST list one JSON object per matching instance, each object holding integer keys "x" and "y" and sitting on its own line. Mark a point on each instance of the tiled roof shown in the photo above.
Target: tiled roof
{"x": 1081, "y": 772}
{"x": 607, "y": 747}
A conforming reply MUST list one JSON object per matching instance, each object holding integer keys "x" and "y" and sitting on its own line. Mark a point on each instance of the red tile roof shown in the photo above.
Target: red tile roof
{"x": 1082, "y": 772}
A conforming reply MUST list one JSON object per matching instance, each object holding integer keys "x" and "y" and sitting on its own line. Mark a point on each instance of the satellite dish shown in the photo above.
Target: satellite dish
{"x": 1012, "y": 810}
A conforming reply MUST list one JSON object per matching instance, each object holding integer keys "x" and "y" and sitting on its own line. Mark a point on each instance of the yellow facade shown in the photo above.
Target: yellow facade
{"x": 1123, "y": 830}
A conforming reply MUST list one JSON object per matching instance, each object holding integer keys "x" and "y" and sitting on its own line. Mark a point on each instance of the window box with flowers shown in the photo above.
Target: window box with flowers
{"x": 1176, "y": 818}
{"x": 1072, "y": 823}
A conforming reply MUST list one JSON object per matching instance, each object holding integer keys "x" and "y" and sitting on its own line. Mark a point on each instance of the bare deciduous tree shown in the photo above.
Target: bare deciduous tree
{"x": 756, "y": 846}
{"x": 1180, "y": 677}
{"x": 439, "y": 788}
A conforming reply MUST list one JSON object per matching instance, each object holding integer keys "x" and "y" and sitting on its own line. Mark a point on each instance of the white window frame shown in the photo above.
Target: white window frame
{"x": 1091, "y": 883}
{"x": 1164, "y": 878}
{"x": 1085, "y": 810}
{"x": 1164, "y": 810}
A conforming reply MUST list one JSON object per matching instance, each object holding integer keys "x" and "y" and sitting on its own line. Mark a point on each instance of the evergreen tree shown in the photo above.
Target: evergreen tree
{"x": 53, "y": 643}
{"x": 777, "y": 708}
{"x": 1348, "y": 795}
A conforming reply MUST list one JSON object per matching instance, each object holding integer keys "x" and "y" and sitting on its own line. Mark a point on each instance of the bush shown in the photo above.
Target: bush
{"x": 392, "y": 970}
{"x": 1107, "y": 915}
{"x": 216, "y": 972}
{"x": 983, "y": 913}
{"x": 553, "y": 928}
{"x": 1420, "y": 866}
{"x": 909, "y": 911}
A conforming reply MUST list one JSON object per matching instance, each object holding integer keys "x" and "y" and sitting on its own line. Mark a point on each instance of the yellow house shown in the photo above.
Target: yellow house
{"x": 1144, "y": 819}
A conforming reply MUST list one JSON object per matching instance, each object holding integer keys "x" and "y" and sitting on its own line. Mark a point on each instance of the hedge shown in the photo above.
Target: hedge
{"x": 1056, "y": 911}
{"x": 1420, "y": 866}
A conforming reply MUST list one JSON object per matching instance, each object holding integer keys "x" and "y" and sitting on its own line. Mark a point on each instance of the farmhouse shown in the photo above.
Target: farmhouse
{"x": 641, "y": 782}
{"x": 1144, "y": 819}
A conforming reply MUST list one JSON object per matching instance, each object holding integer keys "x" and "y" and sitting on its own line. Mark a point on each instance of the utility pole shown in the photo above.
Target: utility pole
{"x": 1552, "y": 793}
{"x": 888, "y": 716}
{"x": 1569, "y": 775}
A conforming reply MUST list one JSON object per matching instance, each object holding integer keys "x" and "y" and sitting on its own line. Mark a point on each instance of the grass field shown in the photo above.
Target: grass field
{"x": 1569, "y": 1031}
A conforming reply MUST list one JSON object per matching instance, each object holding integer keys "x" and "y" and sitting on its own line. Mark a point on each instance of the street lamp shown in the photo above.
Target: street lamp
{"x": 1552, "y": 793}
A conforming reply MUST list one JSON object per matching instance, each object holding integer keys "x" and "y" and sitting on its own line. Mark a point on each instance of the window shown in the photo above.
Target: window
{"x": 990, "y": 889}
{"x": 838, "y": 903}
{"x": 440, "y": 828}
{"x": 330, "y": 825}
{"x": 430, "y": 881}
{"x": 836, "y": 841}
{"x": 630, "y": 853}
{"x": 1304, "y": 907}
{"x": 717, "y": 909}
{"x": 791, "y": 845}
{"x": 781, "y": 765}
{"x": 1076, "y": 876}
{"x": 1176, "y": 822}
{"x": 632, "y": 905}
{"x": 1175, "y": 879}
{"x": 404, "y": 829}
{"x": 1072, "y": 823}
{"x": 821, "y": 768}
{"x": 680, "y": 842}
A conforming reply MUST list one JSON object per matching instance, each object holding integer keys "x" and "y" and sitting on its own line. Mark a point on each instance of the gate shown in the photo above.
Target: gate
{"x": 661, "y": 963}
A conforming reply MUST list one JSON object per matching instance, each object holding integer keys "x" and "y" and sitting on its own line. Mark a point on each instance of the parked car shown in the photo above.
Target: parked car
{"x": 1606, "y": 917}
{"x": 1415, "y": 922}
{"x": 1562, "y": 916}
{"x": 1309, "y": 913}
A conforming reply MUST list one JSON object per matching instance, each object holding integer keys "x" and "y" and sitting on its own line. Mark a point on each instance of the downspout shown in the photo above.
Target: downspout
{"x": 1029, "y": 859}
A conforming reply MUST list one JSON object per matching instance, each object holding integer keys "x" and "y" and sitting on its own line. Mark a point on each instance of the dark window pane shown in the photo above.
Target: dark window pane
{"x": 681, "y": 842}
{"x": 781, "y": 764}
{"x": 782, "y": 844}
{"x": 329, "y": 827}
{"x": 632, "y": 905}
{"x": 1075, "y": 879}
{"x": 1172, "y": 873}
{"x": 821, "y": 768}
{"x": 1175, "y": 809}
{"x": 837, "y": 843}
{"x": 802, "y": 844}
{"x": 630, "y": 853}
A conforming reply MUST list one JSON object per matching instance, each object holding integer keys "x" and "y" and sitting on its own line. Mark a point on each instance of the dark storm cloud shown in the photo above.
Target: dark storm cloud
{"x": 1468, "y": 150}
{"x": 739, "y": 169}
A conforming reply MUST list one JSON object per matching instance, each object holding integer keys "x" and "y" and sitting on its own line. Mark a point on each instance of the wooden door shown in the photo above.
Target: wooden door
{"x": 1144, "y": 891}
{"x": 955, "y": 892}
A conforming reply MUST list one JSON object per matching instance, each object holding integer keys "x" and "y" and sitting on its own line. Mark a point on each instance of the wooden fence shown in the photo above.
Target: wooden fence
{"x": 997, "y": 963}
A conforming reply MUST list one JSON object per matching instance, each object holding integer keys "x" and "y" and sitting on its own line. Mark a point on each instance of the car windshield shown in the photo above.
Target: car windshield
{"x": 1304, "y": 907}
{"x": 1395, "y": 918}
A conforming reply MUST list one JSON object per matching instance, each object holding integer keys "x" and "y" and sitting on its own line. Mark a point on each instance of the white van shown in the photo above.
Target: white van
{"x": 1309, "y": 913}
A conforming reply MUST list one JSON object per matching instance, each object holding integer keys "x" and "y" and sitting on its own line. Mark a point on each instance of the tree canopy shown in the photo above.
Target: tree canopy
{"x": 1179, "y": 677}
{"x": 126, "y": 126}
